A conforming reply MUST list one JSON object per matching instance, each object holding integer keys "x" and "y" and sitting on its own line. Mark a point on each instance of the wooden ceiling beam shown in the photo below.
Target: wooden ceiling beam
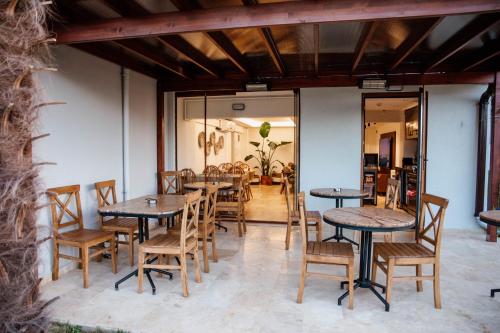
{"x": 285, "y": 83}
{"x": 420, "y": 32}
{"x": 219, "y": 38}
{"x": 484, "y": 54}
{"x": 455, "y": 43}
{"x": 363, "y": 42}
{"x": 151, "y": 53}
{"x": 267, "y": 15}
{"x": 133, "y": 9}
{"x": 267, "y": 37}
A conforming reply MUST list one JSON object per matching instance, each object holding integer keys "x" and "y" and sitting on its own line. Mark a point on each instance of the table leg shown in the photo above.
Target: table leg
{"x": 493, "y": 291}
{"x": 339, "y": 232}
{"x": 363, "y": 280}
{"x": 143, "y": 227}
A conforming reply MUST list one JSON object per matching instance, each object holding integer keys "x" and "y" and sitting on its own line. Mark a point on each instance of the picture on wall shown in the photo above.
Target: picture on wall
{"x": 411, "y": 123}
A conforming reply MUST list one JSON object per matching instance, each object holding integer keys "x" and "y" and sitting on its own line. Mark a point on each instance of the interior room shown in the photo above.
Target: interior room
{"x": 249, "y": 166}
{"x": 391, "y": 150}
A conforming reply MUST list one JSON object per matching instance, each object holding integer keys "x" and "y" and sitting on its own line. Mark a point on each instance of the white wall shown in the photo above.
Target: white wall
{"x": 142, "y": 135}
{"x": 372, "y": 139}
{"x": 86, "y": 134}
{"x": 331, "y": 145}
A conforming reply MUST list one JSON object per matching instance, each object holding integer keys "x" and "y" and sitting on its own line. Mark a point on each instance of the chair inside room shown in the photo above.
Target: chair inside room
{"x": 329, "y": 253}
{"x": 187, "y": 176}
{"x": 68, "y": 230}
{"x": 233, "y": 209}
{"x": 313, "y": 218}
{"x": 225, "y": 167}
{"x": 206, "y": 226}
{"x": 171, "y": 181}
{"x": 164, "y": 246}
{"x": 391, "y": 200}
{"x": 120, "y": 226}
{"x": 387, "y": 256}
{"x": 210, "y": 168}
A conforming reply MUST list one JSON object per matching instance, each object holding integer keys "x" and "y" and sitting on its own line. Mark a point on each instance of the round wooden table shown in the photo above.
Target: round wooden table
{"x": 203, "y": 185}
{"x": 491, "y": 217}
{"x": 368, "y": 220}
{"x": 339, "y": 195}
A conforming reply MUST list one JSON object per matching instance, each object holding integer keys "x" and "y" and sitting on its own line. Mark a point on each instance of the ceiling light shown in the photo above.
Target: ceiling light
{"x": 373, "y": 84}
{"x": 256, "y": 86}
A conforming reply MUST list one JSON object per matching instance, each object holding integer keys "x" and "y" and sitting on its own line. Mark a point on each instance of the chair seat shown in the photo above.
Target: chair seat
{"x": 330, "y": 249}
{"x": 168, "y": 242}
{"x": 84, "y": 235}
{"x": 176, "y": 230}
{"x": 122, "y": 224}
{"x": 402, "y": 250}
{"x": 311, "y": 216}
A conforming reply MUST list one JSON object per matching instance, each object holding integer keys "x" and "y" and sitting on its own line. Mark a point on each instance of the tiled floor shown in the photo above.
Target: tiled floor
{"x": 267, "y": 204}
{"x": 253, "y": 289}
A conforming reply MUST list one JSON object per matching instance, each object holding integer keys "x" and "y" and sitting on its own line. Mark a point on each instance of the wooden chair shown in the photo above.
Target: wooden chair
{"x": 187, "y": 175}
{"x": 172, "y": 183}
{"x": 225, "y": 167}
{"x": 63, "y": 199}
{"x": 179, "y": 246}
{"x": 391, "y": 199}
{"x": 328, "y": 253}
{"x": 313, "y": 218}
{"x": 210, "y": 168}
{"x": 415, "y": 254}
{"x": 127, "y": 227}
{"x": 236, "y": 170}
{"x": 234, "y": 211}
{"x": 206, "y": 226}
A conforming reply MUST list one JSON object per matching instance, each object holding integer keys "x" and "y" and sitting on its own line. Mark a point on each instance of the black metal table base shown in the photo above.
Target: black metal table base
{"x": 220, "y": 226}
{"x": 363, "y": 281}
{"x": 493, "y": 291}
{"x": 339, "y": 235}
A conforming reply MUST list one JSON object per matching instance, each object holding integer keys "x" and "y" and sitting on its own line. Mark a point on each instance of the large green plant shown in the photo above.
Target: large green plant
{"x": 265, "y": 159}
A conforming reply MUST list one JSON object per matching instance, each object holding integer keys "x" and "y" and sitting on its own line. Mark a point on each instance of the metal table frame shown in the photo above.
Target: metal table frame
{"x": 143, "y": 229}
{"x": 339, "y": 203}
{"x": 495, "y": 224}
{"x": 365, "y": 260}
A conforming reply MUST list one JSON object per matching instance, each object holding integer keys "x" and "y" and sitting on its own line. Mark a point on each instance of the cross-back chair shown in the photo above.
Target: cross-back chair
{"x": 329, "y": 253}
{"x": 178, "y": 245}
{"x": 386, "y": 256}
{"x": 171, "y": 181}
{"x": 124, "y": 226}
{"x": 66, "y": 212}
{"x": 313, "y": 218}
{"x": 206, "y": 226}
{"x": 233, "y": 210}
{"x": 391, "y": 200}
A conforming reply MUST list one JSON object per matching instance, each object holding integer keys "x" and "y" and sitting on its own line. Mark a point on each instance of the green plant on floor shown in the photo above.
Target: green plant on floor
{"x": 265, "y": 159}
{"x": 68, "y": 328}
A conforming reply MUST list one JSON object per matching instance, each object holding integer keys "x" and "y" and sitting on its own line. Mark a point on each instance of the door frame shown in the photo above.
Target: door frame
{"x": 422, "y": 98}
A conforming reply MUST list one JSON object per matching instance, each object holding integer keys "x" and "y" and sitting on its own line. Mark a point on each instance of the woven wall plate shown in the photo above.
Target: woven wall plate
{"x": 201, "y": 139}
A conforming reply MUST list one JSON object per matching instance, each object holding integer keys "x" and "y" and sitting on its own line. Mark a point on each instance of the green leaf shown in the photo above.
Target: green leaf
{"x": 256, "y": 144}
{"x": 249, "y": 157}
{"x": 284, "y": 143}
{"x": 264, "y": 130}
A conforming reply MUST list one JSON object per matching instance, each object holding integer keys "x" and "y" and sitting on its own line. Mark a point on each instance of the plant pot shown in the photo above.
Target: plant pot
{"x": 266, "y": 180}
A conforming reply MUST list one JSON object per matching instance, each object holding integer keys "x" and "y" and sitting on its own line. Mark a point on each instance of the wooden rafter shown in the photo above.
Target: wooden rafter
{"x": 363, "y": 42}
{"x": 484, "y": 54}
{"x": 455, "y": 43}
{"x": 316, "y": 49}
{"x": 152, "y": 53}
{"x": 267, "y": 37}
{"x": 416, "y": 37}
{"x": 272, "y": 14}
{"x": 130, "y": 8}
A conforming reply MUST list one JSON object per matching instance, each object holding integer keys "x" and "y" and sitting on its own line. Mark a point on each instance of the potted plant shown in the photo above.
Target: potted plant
{"x": 265, "y": 159}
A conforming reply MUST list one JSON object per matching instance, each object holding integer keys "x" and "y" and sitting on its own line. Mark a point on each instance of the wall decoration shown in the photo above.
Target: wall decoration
{"x": 411, "y": 123}
{"x": 218, "y": 144}
{"x": 201, "y": 139}
{"x": 221, "y": 142}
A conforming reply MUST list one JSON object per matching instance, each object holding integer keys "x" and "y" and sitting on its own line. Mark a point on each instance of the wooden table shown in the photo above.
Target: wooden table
{"x": 203, "y": 185}
{"x": 368, "y": 220}
{"x": 491, "y": 217}
{"x": 168, "y": 205}
{"x": 339, "y": 194}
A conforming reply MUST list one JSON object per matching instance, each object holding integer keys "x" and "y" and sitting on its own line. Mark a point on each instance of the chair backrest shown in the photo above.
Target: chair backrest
{"x": 171, "y": 181}
{"x": 188, "y": 174}
{"x": 236, "y": 170}
{"x": 431, "y": 231}
{"x": 210, "y": 205}
{"x": 302, "y": 221}
{"x": 106, "y": 194}
{"x": 190, "y": 216}
{"x": 210, "y": 168}
{"x": 66, "y": 207}
{"x": 392, "y": 194}
{"x": 214, "y": 173}
{"x": 287, "y": 197}
{"x": 225, "y": 167}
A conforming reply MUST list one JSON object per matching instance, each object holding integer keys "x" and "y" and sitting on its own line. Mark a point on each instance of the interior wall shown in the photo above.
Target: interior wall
{"x": 372, "y": 139}
{"x": 86, "y": 135}
{"x": 331, "y": 145}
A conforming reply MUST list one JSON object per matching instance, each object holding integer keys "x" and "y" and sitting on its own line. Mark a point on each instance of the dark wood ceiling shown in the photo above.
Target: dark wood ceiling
{"x": 422, "y": 43}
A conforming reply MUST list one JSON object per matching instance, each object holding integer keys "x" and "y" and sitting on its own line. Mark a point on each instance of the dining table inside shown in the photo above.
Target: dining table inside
{"x": 155, "y": 206}
{"x": 368, "y": 220}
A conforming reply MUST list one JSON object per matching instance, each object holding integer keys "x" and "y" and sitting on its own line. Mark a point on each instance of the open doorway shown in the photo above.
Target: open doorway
{"x": 231, "y": 128}
{"x": 391, "y": 148}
